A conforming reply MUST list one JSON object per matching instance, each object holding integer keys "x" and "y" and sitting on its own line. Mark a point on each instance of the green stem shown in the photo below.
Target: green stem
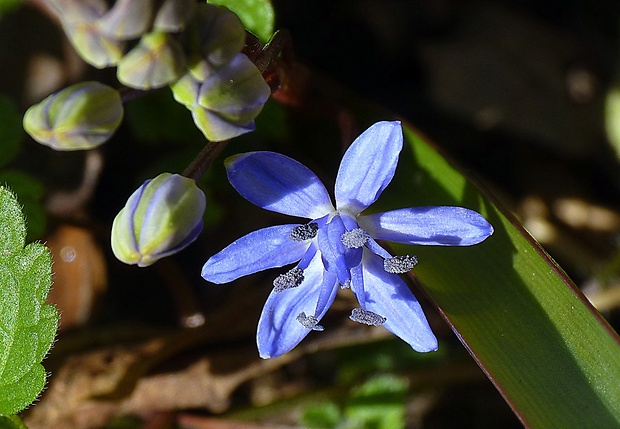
{"x": 280, "y": 41}
{"x": 204, "y": 159}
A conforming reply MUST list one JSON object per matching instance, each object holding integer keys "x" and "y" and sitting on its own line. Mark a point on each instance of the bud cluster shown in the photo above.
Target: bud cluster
{"x": 193, "y": 47}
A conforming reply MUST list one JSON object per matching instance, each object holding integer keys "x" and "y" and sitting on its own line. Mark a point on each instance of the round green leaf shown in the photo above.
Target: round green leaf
{"x": 257, "y": 16}
{"x": 27, "y": 325}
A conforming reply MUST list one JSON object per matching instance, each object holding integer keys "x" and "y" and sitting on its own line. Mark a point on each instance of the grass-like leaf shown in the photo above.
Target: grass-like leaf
{"x": 548, "y": 351}
{"x": 27, "y": 325}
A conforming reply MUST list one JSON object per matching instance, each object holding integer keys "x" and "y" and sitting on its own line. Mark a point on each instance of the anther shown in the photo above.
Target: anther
{"x": 304, "y": 232}
{"x": 400, "y": 264}
{"x": 355, "y": 238}
{"x": 309, "y": 322}
{"x": 366, "y": 317}
{"x": 288, "y": 280}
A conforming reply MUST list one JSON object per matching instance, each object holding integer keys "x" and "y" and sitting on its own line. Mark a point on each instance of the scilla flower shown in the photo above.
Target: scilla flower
{"x": 161, "y": 217}
{"x": 337, "y": 247}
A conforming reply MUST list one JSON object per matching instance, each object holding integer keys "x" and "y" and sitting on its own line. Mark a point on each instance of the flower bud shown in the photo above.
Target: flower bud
{"x": 225, "y": 105}
{"x": 237, "y": 92}
{"x": 160, "y": 218}
{"x": 127, "y": 19}
{"x": 186, "y": 90}
{"x": 173, "y": 15}
{"x": 155, "y": 62}
{"x": 81, "y": 22}
{"x": 215, "y": 38}
{"x": 82, "y": 116}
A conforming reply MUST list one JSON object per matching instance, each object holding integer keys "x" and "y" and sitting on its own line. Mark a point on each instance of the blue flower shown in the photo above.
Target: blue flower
{"x": 338, "y": 246}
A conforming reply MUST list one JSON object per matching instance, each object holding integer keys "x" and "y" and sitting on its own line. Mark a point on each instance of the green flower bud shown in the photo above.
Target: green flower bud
{"x": 215, "y": 37}
{"x": 160, "y": 218}
{"x": 80, "y": 21}
{"x": 173, "y": 15}
{"x": 82, "y": 116}
{"x": 155, "y": 62}
{"x": 186, "y": 90}
{"x": 127, "y": 19}
{"x": 215, "y": 128}
{"x": 225, "y": 105}
{"x": 237, "y": 92}
{"x": 75, "y": 11}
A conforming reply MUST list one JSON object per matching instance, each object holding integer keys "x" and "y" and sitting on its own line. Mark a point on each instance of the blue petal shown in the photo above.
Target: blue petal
{"x": 278, "y": 328}
{"x": 337, "y": 258}
{"x": 387, "y": 295}
{"x": 259, "y": 250}
{"x": 375, "y": 248}
{"x": 278, "y": 183}
{"x": 368, "y": 166}
{"x": 437, "y": 226}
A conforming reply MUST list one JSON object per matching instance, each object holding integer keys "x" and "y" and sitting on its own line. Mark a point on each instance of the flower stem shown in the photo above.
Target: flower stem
{"x": 204, "y": 159}
{"x": 281, "y": 41}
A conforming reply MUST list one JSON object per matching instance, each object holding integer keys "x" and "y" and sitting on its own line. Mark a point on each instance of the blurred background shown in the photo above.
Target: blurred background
{"x": 522, "y": 95}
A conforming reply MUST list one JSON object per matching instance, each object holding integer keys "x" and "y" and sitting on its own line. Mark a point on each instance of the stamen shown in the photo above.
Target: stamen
{"x": 400, "y": 264}
{"x": 288, "y": 280}
{"x": 355, "y": 238}
{"x": 309, "y": 322}
{"x": 366, "y": 317}
{"x": 304, "y": 232}
{"x": 346, "y": 285}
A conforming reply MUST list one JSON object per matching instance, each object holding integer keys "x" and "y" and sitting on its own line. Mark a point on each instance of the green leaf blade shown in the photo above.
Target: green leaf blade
{"x": 31, "y": 192}
{"x": 19, "y": 395}
{"x": 27, "y": 325}
{"x": 551, "y": 355}
{"x": 12, "y": 225}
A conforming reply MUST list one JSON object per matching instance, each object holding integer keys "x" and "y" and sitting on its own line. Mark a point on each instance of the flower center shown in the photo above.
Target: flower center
{"x": 355, "y": 238}
{"x": 400, "y": 264}
{"x": 367, "y": 317}
{"x": 288, "y": 280}
{"x": 309, "y": 322}
{"x": 304, "y": 232}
